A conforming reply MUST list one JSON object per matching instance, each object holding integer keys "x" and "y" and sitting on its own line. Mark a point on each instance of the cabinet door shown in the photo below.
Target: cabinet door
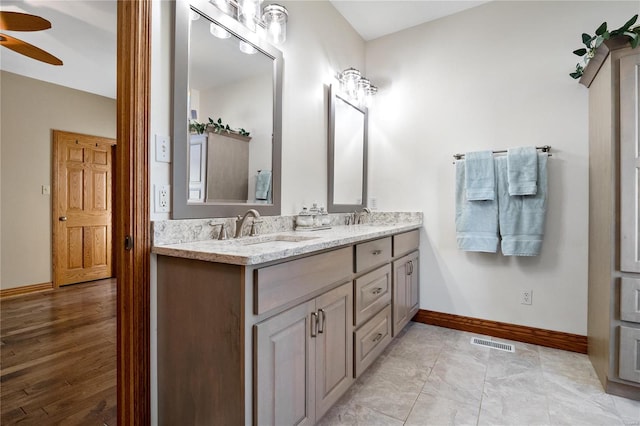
{"x": 284, "y": 379}
{"x": 405, "y": 290}
{"x": 414, "y": 285}
{"x": 629, "y": 163}
{"x": 334, "y": 346}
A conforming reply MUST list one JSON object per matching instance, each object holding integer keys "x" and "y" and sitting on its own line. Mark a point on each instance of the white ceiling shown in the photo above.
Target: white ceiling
{"x": 376, "y": 18}
{"x": 83, "y": 35}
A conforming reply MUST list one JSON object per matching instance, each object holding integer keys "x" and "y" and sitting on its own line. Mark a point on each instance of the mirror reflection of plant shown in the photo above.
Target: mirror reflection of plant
{"x": 218, "y": 127}
{"x": 593, "y": 42}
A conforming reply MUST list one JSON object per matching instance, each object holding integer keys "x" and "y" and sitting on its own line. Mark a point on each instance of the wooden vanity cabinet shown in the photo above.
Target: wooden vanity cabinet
{"x": 277, "y": 343}
{"x": 304, "y": 359}
{"x": 406, "y": 279}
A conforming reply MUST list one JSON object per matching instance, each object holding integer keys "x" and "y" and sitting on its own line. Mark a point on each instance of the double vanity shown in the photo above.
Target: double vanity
{"x": 273, "y": 329}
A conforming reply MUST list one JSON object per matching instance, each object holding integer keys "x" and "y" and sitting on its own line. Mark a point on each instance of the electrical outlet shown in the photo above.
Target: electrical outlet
{"x": 162, "y": 198}
{"x": 373, "y": 203}
{"x": 46, "y": 190}
{"x": 163, "y": 149}
{"x": 526, "y": 297}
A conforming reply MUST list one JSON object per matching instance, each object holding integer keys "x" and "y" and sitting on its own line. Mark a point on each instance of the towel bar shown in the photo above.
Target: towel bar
{"x": 545, "y": 148}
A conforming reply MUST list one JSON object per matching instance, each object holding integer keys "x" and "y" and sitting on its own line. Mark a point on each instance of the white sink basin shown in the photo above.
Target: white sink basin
{"x": 276, "y": 240}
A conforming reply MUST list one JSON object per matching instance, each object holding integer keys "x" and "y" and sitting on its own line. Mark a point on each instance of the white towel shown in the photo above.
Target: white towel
{"x": 522, "y": 166}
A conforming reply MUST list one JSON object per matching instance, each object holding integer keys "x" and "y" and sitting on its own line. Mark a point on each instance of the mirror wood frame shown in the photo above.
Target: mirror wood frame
{"x": 181, "y": 209}
{"x": 331, "y": 206}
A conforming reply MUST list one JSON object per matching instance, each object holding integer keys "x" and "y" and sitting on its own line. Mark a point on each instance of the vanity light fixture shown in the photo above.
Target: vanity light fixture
{"x": 273, "y": 20}
{"x": 356, "y": 87}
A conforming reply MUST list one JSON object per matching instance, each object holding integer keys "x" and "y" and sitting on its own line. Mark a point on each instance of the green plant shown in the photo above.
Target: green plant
{"x": 218, "y": 127}
{"x": 194, "y": 126}
{"x": 592, "y": 42}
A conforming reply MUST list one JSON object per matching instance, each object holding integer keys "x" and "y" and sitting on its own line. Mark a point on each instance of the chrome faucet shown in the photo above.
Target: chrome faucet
{"x": 243, "y": 219}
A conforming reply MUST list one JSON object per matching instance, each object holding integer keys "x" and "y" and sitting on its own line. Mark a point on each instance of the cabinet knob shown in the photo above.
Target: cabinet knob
{"x": 377, "y": 290}
{"x": 62, "y": 218}
{"x": 378, "y": 337}
{"x": 376, "y": 252}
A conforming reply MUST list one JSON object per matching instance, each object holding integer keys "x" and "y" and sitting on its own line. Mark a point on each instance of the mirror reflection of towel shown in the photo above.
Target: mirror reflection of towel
{"x": 263, "y": 184}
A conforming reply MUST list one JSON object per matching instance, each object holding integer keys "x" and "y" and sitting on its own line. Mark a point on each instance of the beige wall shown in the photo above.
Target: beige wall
{"x": 31, "y": 109}
{"x": 492, "y": 77}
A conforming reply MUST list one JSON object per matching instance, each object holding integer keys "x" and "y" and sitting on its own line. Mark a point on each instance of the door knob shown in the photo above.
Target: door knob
{"x": 62, "y": 218}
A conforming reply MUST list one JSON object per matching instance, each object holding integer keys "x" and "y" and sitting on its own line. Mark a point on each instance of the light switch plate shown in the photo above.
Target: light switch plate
{"x": 46, "y": 190}
{"x": 163, "y": 149}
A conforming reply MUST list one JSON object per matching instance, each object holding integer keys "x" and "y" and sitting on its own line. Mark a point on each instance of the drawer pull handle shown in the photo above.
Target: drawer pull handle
{"x": 321, "y": 319}
{"x": 314, "y": 324}
{"x": 376, "y": 252}
{"x": 377, "y": 290}
{"x": 378, "y": 337}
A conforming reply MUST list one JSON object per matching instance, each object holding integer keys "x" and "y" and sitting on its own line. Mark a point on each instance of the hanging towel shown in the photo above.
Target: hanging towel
{"x": 263, "y": 184}
{"x": 480, "y": 179}
{"x": 522, "y": 217}
{"x": 522, "y": 165}
{"x": 476, "y": 221}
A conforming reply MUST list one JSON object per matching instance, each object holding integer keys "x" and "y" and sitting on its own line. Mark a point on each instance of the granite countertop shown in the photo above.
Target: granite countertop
{"x": 280, "y": 245}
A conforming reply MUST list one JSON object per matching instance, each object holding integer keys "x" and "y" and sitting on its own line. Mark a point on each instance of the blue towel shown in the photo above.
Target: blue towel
{"x": 476, "y": 221}
{"x": 480, "y": 181}
{"x": 522, "y": 217}
{"x": 522, "y": 165}
{"x": 263, "y": 185}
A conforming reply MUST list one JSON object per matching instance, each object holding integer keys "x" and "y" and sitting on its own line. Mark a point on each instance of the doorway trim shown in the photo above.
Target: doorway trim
{"x": 131, "y": 214}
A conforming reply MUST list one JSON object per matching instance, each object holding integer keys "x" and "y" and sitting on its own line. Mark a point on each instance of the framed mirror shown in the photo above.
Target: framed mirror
{"x": 227, "y": 126}
{"x": 348, "y": 134}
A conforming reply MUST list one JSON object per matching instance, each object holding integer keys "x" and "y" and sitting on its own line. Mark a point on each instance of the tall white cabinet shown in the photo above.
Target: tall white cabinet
{"x": 614, "y": 244}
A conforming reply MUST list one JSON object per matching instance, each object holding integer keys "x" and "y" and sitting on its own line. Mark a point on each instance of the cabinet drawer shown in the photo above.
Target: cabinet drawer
{"x": 373, "y": 253}
{"x": 630, "y": 300}
{"x": 371, "y": 339}
{"x": 280, "y": 284}
{"x": 406, "y": 242}
{"x": 630, "y": 354}
{"x": 372, "y": 292}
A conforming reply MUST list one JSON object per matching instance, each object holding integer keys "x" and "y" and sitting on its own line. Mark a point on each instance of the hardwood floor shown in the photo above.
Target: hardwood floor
{"x": 58, "y": 355}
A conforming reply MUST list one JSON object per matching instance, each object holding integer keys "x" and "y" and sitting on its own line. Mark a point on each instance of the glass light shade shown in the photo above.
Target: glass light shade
{"x": 247, "y": 48}
{"x": 349, "y": 81}
{"x": 249, "y": 13}
{"x": 223, "y": 5}
{"x": 218, "y": 31}
{"x": 275, "y": 20}
{"x": 363, "y": 89}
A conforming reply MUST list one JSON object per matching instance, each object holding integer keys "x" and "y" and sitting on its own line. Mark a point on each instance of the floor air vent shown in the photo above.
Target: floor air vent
{"x": 507, "y": 347}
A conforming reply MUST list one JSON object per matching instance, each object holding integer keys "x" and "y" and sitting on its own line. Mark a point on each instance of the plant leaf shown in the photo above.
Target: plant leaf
{"x": 580, "y": 52}
{"x": 586, "y": 39}
{"x": 634, "y": 42}
{"x": 629, "y": 23}
{"x": 599, "y": 41}
{"x": 601, "y": 29}
{"x": 575, "y": 75}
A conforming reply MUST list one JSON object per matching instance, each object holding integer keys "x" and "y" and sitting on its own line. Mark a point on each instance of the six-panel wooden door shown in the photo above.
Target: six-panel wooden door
{"x": 82, "y": 207}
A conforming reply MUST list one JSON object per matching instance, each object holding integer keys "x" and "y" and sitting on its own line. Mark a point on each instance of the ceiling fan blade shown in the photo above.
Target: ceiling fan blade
{"x": 16, "y": 21}
{"x": 27, "y": 49}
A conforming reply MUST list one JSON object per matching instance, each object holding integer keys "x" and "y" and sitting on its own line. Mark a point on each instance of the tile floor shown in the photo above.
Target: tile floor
{"x": 434, "y": 376}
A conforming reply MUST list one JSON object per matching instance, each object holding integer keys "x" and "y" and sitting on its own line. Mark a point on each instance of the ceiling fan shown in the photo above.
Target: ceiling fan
{"x": 17, "y": 21}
